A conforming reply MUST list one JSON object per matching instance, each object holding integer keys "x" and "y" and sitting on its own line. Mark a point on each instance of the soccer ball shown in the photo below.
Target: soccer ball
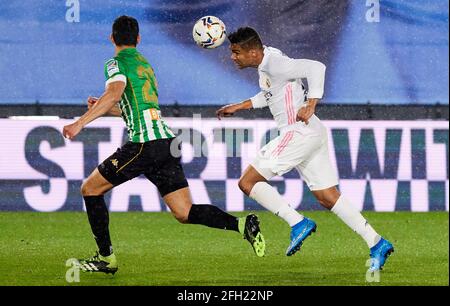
{"x": 209, "y": 32}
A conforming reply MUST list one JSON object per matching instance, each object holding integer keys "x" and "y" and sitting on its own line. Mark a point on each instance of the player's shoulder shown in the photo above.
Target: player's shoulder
{"x": 273, "y": 51}
{"x": 274, "y": 54}
{"x": 113, "y": 66}
{"x": 273, "y": 57}
{"x": 113, "y": 61}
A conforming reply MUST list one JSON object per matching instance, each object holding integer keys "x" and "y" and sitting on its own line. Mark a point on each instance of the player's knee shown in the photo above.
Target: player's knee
{"x": 87, "y": 189}
{"x": 241, "y": 185}
{"x": 326, "y": 202}
{"x": 245, "y": 186}
{"x": 327, "y": 198}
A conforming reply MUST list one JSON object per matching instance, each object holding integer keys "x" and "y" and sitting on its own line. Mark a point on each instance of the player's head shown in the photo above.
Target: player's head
{"x": 246, "y": 47}
{"x": 125, "y": 31}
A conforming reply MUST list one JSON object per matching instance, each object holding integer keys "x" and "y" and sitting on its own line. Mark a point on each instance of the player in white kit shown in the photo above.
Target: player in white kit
{"x": 302, "y": 143}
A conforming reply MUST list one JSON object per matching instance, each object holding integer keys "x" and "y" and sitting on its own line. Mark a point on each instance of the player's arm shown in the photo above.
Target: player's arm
{"x": 257, "y": 101}
{"x": 313, "y": 71}
{"x": 114, "y": 111}
{"x": 230, "y": 109}
{"x": 112, "y": 95}
{"x": 307, "y": 110}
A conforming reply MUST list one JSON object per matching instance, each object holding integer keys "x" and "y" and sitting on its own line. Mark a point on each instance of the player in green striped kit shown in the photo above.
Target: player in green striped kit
{"x": 152, "y": 150}
{"x": 139, "y": 106}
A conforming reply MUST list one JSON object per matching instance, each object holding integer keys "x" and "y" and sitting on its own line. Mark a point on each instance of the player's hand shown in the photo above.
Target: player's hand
{"x": 72, "y": 130}
{"x": 226, "y": 111}
{"x": 91, "y": 101}
{"x": 306, "y": 111}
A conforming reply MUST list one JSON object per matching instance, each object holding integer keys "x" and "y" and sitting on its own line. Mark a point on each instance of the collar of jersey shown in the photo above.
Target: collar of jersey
{"x": 265, "y": 58}
{"x": 127, "y": 51}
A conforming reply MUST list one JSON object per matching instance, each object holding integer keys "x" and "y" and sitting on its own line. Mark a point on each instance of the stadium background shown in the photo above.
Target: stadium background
{"x": 386, "y": 101}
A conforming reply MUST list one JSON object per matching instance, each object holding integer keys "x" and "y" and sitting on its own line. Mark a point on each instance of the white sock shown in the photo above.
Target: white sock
{"x": 353, "y": 218}
{"x": 271, "y": 200}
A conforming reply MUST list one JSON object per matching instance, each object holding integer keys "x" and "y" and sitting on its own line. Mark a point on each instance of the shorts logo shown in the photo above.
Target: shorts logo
{"x": 115, "y": 163}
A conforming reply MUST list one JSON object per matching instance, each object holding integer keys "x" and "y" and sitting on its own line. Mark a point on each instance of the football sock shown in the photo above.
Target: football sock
{"x": 212, "y": 216}
{"x": 271, "y": 200}
{"x": 99, "y": 220}
{"x": 353, "y": 218}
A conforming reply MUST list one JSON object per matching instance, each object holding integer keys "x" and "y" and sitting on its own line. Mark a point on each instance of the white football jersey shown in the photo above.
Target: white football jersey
{"x": 283, "y": 92}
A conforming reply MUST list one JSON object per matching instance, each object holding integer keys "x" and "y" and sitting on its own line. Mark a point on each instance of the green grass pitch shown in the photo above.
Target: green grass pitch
{"x": 154, "y": 249}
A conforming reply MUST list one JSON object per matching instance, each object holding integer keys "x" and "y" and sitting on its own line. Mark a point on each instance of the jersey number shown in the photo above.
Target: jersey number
{"x": 149, "y": 89}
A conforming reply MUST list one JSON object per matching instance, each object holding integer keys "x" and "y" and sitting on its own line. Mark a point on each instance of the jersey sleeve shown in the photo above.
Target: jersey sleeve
{"x": 114, "y": 72}
{"x": 290, "y": 69}
{"x": 259, "y": 101}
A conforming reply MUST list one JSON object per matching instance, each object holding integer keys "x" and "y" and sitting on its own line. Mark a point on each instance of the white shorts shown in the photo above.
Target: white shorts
{"x": 308, "y": 153}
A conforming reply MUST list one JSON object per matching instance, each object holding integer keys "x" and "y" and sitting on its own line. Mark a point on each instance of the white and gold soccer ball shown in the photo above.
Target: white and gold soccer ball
{"x": 209, "y": 32}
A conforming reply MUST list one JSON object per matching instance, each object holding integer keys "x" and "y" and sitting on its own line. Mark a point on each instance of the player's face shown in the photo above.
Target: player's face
{"x": 241, "y": 57}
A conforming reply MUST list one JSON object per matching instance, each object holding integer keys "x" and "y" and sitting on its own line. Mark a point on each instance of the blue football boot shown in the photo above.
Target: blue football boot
{"x": 299, "y": 233}
{"x": 379, "y": 253}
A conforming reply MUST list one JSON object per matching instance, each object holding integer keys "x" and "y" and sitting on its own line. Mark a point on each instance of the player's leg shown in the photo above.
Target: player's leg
{"x": 380, "y": 248}
{"x": 93, "y": 190}
{"x": 331, "y": 199}
{"x": 167, "y": 174}
{"x": 270, "y": 198}
{"x": 169, "y": 178}
{"x": 276, "y": 158}
{"x": 255, "y": 185}
{"x": 115, "y": 170}
{"x": 180, "y": 204}
{"x": 322, "y": 180}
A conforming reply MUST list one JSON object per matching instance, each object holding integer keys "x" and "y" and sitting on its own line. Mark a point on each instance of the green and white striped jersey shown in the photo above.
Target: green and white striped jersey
{"x": 139, "y": 104}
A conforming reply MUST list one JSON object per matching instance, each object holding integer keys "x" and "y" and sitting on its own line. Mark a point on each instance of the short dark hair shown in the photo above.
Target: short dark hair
{"x": 125, "y": 31}
{"x": 246, "y": 37}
